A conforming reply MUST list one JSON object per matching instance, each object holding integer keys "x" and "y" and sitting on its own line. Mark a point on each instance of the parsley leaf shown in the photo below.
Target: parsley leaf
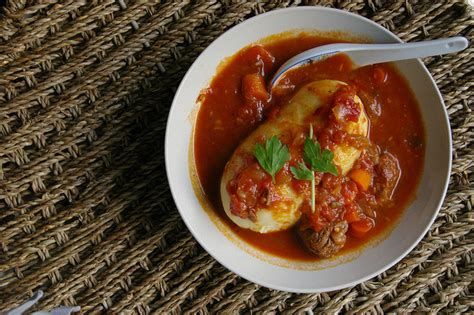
{"x": 272, "y": 156}
{"x": 319, "y": 161}
{"x": 302, "y": 173}
{"x": 327, "y": 164}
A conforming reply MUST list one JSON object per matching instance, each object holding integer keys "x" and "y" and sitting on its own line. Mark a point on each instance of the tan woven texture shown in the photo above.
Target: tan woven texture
{"x": 85, "y": 210}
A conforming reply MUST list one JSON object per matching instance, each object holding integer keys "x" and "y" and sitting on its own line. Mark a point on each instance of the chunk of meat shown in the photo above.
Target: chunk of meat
{"x": 388, "y": 174}
{"x": 328, "y": 241}
{"x": 368, "y": 203}
{"x": 371, "y": 102}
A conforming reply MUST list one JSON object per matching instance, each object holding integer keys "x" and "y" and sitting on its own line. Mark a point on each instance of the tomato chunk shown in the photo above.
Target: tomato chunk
{"x": 345, "y": 108}
{"x": 251, "y": 187}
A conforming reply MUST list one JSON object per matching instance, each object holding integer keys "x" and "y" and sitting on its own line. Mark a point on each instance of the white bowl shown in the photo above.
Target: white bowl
{"x": 272, "y": 272}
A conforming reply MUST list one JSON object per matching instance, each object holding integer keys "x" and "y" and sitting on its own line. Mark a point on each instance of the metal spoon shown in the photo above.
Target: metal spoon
{"x": 368, "y": 54}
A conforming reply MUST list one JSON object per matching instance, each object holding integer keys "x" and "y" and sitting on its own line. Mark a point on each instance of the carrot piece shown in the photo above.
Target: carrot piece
{"x": 362, "y": 178}
{"x": 360, "y": 228}
{"x": 253, "y": 88}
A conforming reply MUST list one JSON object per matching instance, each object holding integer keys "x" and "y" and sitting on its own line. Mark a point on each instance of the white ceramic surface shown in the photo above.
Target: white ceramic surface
{"x": 372, "y": 260}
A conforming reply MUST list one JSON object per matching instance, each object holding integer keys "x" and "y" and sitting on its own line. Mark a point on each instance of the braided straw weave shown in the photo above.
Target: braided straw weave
{"x": 85, "y": 210}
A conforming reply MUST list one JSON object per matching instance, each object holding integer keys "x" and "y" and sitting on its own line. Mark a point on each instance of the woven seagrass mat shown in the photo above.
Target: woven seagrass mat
{"x": 85, "y": 210}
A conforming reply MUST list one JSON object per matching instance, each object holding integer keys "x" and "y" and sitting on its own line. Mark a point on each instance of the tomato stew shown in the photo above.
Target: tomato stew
{"x": 369, "y": 199}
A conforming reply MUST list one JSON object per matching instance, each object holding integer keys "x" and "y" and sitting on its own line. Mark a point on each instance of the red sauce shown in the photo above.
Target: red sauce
{"x": 395, "y": 126}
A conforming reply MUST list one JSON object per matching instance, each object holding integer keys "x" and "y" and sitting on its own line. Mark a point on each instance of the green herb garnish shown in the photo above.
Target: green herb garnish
{"x": 272, "y": 156}
{"x": 319, "y": 161}
{"x": 302, "y": 173}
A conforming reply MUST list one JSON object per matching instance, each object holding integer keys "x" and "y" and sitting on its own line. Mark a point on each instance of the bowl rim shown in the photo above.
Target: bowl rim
{"x": 244, "y": 275}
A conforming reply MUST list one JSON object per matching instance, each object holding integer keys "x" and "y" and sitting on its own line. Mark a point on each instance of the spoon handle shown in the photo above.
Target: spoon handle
{"x": 368, "y": 54}
{"x": 377, "y": 53}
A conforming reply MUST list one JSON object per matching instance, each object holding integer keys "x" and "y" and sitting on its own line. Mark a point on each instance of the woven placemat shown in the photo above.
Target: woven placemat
{"x": 85, "y": 210}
